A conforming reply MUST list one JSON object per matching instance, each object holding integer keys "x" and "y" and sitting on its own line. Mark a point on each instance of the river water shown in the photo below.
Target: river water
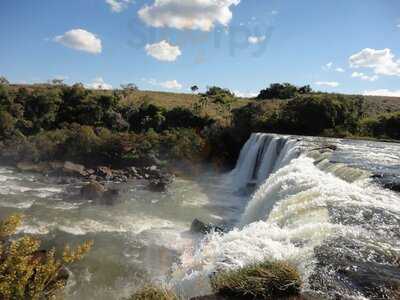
{"x": 289, "y": 198}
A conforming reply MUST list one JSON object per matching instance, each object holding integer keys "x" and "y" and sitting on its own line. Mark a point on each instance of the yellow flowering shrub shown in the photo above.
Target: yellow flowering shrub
{"x": 28, "y": 273}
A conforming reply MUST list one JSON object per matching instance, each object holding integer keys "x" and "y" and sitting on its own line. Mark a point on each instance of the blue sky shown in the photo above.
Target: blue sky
{"x": 349, "y": 46}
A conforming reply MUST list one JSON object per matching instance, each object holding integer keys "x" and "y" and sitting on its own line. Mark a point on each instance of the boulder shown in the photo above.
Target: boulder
{"x": 70, "y": 168}
{"x": 388, "y": 181}
{"x": 346, "y": 266}
{"x": 56, "y": 165}
{"x": 104, "y": 172}
{"x": 158, "y": 181}
{"x": 33, "y": 167}
{"x": 93, "y": 191}
{"x": 157, "y": 185}
{"x": 201, "y": 227}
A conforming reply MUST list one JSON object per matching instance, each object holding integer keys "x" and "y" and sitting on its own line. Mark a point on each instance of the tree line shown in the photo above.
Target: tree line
{"x": 72, "y": 122}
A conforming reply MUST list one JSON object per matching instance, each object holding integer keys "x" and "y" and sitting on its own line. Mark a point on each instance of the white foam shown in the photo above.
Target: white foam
{"x": 285, "y": 220}
{"x": 16, "y": 204}
{"x": 119, "y": 224}
{"x": 47, "y": 192}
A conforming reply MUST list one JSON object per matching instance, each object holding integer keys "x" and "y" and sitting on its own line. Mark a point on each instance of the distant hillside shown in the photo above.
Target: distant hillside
{"x": 374, "y": 105}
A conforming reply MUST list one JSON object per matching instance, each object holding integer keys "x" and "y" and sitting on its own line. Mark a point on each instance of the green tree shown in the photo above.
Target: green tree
{"x": 281, "y": 91}
{"x": 194, "y": 88}
{"x": 42, "y": 107}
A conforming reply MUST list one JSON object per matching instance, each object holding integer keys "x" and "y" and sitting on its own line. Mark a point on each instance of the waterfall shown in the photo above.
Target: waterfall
{"x": 261, "y": 156}
{"x": 305, "y": 200}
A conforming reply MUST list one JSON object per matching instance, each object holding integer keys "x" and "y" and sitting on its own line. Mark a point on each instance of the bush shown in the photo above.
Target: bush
{"x": 183, "y": 144}
{"x": 283, "y": 91}
{"x": 311, "y": 115}
{"x": 217, "y": 91}
{"x": 147, "y": 116}
{"x": 26, "y": 272}
{"x": 185, "y": 118}
{"x": 7, "y": 124}
{"x": 267, "y": 280}
{"x": 384, "y": 126}
{"x": 153, "y": 293}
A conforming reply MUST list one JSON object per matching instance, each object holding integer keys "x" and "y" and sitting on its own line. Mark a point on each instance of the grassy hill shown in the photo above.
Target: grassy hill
{"x": 374, "y": 105}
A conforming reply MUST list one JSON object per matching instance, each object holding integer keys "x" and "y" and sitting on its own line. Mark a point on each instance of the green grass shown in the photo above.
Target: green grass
{"x": 266, "y": 280}
{"x": 152, "y": 292}
{"x": 172, "y": 100}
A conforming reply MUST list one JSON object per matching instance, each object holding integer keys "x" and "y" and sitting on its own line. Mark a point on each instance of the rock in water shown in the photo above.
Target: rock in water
{"x": 93, "y": 191}
{"x": 201, "y": 227}
{"x": 158, "y": 181}
{"x": 350, "y": 268}
{"x": 388, "y": 181}
{"x": 33, "y": 167}
{"x": 104, "y": 172}
{"x": 70, "y": 168}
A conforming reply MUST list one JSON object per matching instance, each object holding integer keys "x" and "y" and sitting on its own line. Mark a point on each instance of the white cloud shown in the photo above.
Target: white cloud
{"x": 80, "y": 39}
{"x": 382, "y": 62}
{"x": 362, "y": 76}
{"x": 256, "y": 39}
{"x": 188, "y": 14}
{"x": 340, "y": 70}
{"x": 274, "y": 12}
{"x": 245, "y": 94}
{"x": 327, "y": 83}
{"x": 382, "y": 92}
{"x": 171, "y": 85}
{"x": 118, "y": 5}
{"x": 99, "y": 84}
{"x": 163, "y": 51}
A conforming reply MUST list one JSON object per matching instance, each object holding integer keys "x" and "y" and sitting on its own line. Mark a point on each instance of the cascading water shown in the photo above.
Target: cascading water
{"x": 262, "y": 155}
{"x": 325, "y": 217}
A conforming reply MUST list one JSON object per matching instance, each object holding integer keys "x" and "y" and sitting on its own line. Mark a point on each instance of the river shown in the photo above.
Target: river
{"x": 311, "y": 201}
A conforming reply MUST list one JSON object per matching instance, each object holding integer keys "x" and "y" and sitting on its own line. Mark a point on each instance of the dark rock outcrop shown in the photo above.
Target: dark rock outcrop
{"x": 348, "y": 268}
{"x": 33, "y": 167}
{"x": 203, "y": 228}
{"x": 73, "y": 169}
{"x": 388, "y": 181}
{"x": 158, "y": 180}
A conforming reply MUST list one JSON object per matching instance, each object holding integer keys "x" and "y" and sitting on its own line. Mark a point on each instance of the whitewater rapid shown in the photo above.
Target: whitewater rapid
{"x": 298, "y": 189}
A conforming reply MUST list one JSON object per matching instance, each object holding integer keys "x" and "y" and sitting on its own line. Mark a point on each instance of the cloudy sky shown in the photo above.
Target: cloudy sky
{"x": 349, "y": 46}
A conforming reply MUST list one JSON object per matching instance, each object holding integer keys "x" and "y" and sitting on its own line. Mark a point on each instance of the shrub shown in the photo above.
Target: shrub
{"x": 82, "y": 142}
{"x": 283, "y": 91}
{"x": 26, "y": 272}
{"x": 218, "y": 91}
{"x": 182, "y": 144}
{"x": 386, "y": 125}
{"x": 311, "y": 115}
{"x": 147, "y": 116}
{"x": 184, "y": 117}
{"x": 153, "y": 293}
{"x": 267, "y": 280}
{"x": 7, "y": 124}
